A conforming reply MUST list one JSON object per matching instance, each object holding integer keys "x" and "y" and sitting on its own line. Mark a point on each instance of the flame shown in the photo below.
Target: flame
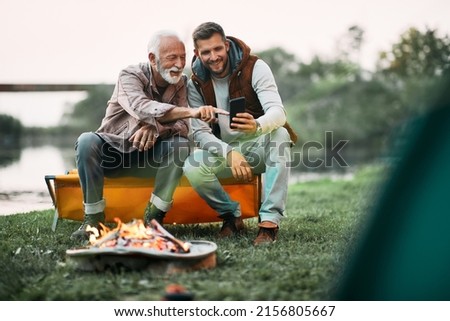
{"x": 136, "y": 234}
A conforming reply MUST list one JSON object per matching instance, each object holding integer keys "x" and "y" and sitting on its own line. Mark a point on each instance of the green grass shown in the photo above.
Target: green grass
{"x": 315, "y": 241}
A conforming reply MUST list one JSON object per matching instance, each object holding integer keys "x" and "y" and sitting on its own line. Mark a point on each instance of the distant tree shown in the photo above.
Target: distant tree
{"x": 349, "y": 45}
{"x": 280, "y": 61}
{"x": 319, "y": 69}
{"x": 415, "y": 67}
{"x": 88, "y": 113}
{"x": 10, "y": 130}
{"x": 294, "y": 77}
{"x": 363, "y": 112}
{"x": 284, "y": 66}
{"x": 370, "y": 109}
{"x": 417, "y": 54}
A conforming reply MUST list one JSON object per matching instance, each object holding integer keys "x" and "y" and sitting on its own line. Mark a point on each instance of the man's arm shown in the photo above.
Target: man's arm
{"x": 264, "y": 85}
{"x": 205, "y": 113}
{"x": 266, "y": 88}
{"x": 132, "y": 98}
{"x": 201, "y": 131}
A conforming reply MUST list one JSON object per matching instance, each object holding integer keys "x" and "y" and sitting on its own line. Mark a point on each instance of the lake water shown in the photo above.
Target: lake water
{"x": 23, "y": 188}
{"x": 22, "y": 184}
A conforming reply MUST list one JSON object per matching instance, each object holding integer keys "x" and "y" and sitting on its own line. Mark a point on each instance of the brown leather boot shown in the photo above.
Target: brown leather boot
{"x": 267, "y": 233}
{"x": 231, "y": 226}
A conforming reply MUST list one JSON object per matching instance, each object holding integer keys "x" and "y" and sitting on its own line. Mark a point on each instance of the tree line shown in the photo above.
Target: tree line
{"x": 369, "y": 109}
{"x": 365, "y": 108}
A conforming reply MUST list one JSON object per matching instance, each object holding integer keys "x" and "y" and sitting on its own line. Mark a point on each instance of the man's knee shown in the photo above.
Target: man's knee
{"x": 88, "y": 140}
{"x": 89, "y": 156}
{"x": 87, "y": 145}
{"x": 191, "y": 164}
{"x": 280, "y": 141}
{"x": 278, "y": 147}
{"x": 197, "y": 162}
{"x": 281, "y": 136}
{"x": 174, "y": 150}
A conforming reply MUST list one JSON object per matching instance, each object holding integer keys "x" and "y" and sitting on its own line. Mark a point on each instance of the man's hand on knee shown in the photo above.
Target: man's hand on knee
{"x": 240, "y": 168}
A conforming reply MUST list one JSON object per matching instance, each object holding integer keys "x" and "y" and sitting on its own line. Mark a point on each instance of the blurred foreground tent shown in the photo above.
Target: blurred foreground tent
{"x": 404, "y": 253}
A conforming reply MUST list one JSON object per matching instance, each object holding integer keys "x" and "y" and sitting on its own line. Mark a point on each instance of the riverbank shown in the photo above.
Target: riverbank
{"x": 24, "y": 201}
{"x": 22, "y": 184}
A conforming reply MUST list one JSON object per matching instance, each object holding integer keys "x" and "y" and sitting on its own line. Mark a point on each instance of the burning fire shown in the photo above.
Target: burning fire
{"x": 136, "y": 234}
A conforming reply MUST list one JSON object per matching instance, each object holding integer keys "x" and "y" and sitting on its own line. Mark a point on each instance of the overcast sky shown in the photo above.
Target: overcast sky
{"x": 90, "y": 41}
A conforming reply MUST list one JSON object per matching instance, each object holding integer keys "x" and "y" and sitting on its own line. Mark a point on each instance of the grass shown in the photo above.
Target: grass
{"x": 315, "y": 241}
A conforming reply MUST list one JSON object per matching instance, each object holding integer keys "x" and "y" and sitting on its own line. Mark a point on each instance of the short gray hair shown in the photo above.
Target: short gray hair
{"x": 155, "y": 41}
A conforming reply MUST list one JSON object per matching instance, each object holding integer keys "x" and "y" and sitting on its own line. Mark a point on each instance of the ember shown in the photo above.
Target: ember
{"x": 136, "y": 235}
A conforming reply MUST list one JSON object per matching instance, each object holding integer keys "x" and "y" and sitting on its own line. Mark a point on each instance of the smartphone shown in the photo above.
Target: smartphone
{"x": 237, "y": 105}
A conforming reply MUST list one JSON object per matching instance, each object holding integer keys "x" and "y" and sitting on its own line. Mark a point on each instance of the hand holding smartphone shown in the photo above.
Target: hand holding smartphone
{"x": 237, "y": 105}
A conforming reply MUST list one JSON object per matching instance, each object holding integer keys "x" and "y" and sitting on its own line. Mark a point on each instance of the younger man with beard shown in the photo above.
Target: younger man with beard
{"x": 144, "y": 132}
{"x": 257, "y": 140}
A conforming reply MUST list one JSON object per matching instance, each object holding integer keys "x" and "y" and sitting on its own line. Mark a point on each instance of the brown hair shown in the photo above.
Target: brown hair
{"x": 206, "y": 30}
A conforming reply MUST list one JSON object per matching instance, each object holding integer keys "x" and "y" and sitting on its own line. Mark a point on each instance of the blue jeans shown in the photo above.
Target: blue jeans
{"x": 269, "y": 154}
{"x": 97, "y": 159}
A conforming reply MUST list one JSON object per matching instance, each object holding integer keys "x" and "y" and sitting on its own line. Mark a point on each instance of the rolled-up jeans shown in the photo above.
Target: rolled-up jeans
{"x": 269, "y": 154}
{"x": 97, "y": 159}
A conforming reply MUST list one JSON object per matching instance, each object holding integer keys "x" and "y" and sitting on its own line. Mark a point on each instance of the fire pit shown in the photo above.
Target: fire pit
{"x": 136, "y": 247}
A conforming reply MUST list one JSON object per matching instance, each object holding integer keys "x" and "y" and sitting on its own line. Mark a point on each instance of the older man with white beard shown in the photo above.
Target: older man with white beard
{"x": 143, "y": 134}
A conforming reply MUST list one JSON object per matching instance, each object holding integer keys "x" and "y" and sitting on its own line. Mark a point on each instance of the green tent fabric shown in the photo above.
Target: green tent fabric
{"x": 405, "y": 251}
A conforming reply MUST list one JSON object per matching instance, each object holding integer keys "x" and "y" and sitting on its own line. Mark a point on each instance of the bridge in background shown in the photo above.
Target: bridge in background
{"x": 47, "y": 87}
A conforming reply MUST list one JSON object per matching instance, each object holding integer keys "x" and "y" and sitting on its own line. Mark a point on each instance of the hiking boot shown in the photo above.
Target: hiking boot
{"x": 267, "y": 233}
{"x": 91, "y": 220}
{"x": 231, "y": 225}
{"x": 153, "y": 213}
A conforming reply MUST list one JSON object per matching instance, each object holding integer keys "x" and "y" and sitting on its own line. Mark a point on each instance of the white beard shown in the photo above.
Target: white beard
{"x": 165, "y": 73}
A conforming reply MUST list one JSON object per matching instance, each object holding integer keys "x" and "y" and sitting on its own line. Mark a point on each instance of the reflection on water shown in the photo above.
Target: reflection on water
{"x": 9, "y": 156}
{"x": 22, "y": 184}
